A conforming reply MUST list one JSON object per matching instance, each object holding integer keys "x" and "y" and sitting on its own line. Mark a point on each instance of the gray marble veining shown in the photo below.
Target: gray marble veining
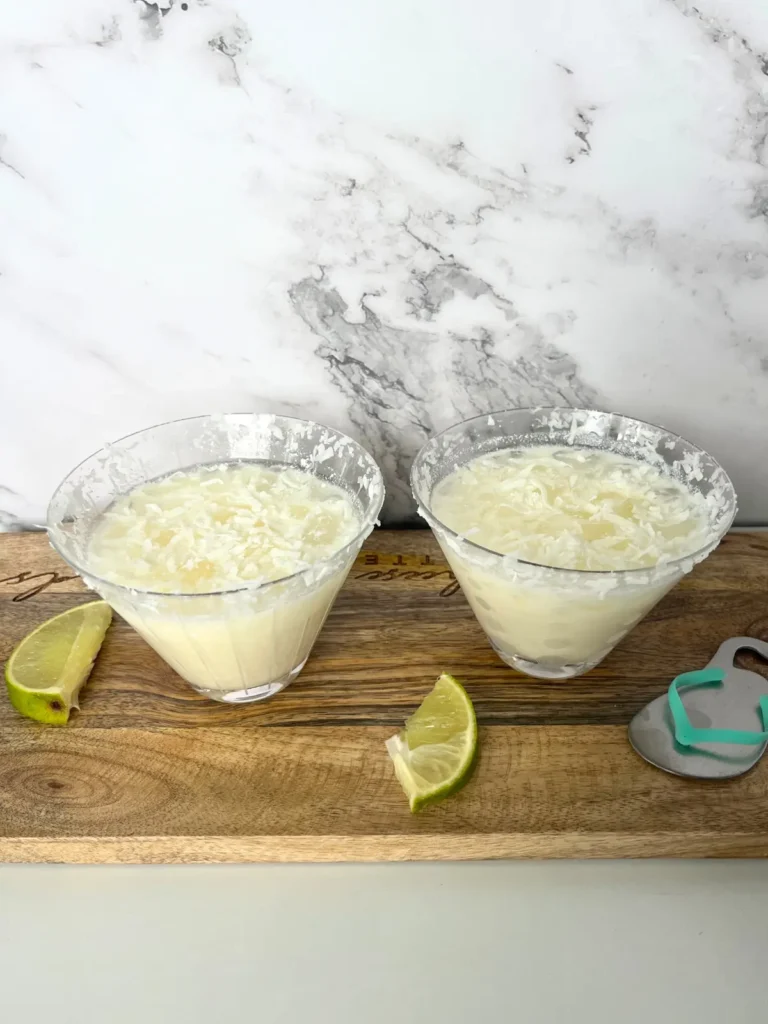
{"x": 387, "y": 217}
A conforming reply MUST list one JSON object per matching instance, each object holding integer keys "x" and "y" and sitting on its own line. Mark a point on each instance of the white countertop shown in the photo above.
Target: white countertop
{"x": 533, "y": 943}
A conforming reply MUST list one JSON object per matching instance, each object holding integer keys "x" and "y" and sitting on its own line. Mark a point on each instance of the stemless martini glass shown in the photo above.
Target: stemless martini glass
{"x": 250, "y": 641}
{"x": 555, "y": 623}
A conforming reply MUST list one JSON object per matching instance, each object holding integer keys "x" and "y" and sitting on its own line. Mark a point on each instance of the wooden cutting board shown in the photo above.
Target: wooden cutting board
{"x": 150, "y": 771}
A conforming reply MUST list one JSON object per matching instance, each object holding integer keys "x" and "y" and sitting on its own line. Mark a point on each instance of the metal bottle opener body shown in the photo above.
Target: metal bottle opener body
{"x": 731, "y": 705}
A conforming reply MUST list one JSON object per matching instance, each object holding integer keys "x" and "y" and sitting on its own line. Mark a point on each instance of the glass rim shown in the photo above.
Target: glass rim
{"x": 369, "y": 519}
{"x": 428, "y": 514}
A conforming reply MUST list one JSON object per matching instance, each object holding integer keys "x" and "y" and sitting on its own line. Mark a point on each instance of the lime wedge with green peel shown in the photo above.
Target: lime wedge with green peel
{"x": 435, "y": 753}
{"x": 46, "y": 671}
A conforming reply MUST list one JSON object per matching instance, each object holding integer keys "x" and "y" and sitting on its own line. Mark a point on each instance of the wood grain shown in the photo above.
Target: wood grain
{"x": 399, "y": 621}
{"x": 328, "y": 793}
{"x": 148, "y": 771}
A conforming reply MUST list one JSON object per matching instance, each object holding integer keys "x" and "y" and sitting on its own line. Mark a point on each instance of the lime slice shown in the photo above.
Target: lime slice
{"x": 46, "y": 671}
{"x": 434, "y": 754}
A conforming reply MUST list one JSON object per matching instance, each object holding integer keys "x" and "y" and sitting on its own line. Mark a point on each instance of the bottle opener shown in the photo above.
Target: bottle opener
{"x": 711, "y": 724}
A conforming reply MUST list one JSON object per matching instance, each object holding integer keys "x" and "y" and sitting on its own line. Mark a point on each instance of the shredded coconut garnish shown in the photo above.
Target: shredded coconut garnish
{"x": 573, "y": 508}
{"x": 214, "y": 527}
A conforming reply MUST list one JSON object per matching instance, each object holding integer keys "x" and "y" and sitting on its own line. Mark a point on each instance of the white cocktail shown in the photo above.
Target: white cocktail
{"x": 227, "y": 568}
{"x": 217, "y": 529}
{"x": 561, "y": 548}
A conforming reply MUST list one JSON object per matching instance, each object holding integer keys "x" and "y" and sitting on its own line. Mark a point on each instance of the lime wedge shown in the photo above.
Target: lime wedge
{"x": 434, "y": 754}
{"x": 47, "y": 669}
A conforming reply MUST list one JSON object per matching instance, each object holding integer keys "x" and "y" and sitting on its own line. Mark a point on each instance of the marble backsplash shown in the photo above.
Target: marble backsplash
{"x": 384, "y": 216}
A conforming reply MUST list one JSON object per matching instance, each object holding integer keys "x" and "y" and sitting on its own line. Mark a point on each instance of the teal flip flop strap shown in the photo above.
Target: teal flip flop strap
{"x": 687, "y": 735}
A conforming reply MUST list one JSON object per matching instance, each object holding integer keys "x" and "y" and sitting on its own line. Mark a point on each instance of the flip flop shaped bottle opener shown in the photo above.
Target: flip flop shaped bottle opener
{"x": 710, "y": 724}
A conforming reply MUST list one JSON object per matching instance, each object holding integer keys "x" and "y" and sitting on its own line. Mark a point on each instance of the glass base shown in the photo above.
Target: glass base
{"x": 252, "y": 694}
{"x": 544, "y": 669}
